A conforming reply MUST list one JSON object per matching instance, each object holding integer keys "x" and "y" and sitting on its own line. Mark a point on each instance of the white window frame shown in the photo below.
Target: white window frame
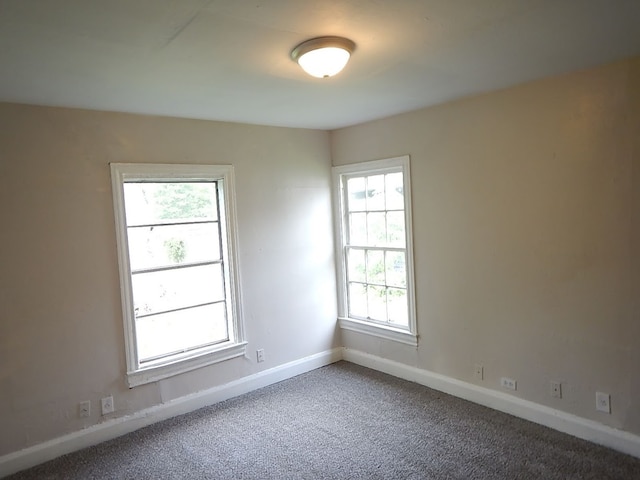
{"x": 236, "y": 345}
{"x": 407, "y": 335}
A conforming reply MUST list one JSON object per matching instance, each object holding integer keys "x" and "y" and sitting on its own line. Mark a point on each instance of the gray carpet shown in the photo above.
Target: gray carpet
{"x": 342, "y": 422}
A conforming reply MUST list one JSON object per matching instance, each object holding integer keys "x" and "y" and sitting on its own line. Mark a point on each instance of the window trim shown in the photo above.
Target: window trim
{"x": 236, "y": 345}
{"x": 409, "y": 335}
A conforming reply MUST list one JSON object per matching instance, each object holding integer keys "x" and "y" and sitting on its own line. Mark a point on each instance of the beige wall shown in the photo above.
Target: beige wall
{"x": 61, "y": 334}
{"x": 634, "y": 330}
{"x": 526, "y": 211}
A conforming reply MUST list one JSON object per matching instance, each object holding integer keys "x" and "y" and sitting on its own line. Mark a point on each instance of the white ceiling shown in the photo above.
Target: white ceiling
{"x": 229, "y": 60}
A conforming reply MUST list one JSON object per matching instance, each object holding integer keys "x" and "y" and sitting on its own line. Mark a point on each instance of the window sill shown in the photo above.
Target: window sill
{"x": 382, "y": 331}
{"x": 154, "y": 373}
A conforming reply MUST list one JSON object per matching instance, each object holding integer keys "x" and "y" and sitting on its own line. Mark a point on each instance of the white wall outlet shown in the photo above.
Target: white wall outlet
{"x": 478, "y": 372}
{"x": 260, "y": 355}
{"x": 107, "y": 405}
{"x": 85, "y": 409}
{"x": 556, "y": 389}
{"x": 508, "y": 383}
{"x": 603, "y": 402}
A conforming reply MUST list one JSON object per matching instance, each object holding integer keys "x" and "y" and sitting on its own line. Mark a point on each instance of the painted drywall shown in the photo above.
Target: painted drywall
{"x": 61, "y": 333}
{"x": 634, "y": 330}
{"x": 526, "y": 219}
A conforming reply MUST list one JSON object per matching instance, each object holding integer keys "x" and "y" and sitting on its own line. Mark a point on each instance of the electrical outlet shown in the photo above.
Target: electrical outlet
{"x": 260, "y": 355}
{"x": 107, "y": 405}
{"x": 85, "y": 409}
{"x": 603, "y": 402}
{"x": 556, "y": 389}
{"x": 479, "y": 372}
{"x": 508, "y": 383}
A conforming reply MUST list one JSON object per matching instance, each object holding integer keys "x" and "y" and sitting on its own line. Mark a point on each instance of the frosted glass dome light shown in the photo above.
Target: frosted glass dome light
{"x": 324, "y": 56}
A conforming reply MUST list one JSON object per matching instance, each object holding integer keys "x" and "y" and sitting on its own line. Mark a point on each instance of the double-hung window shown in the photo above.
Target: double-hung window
{"x": 178, "y": 270}
{"x": 375, "y": 258}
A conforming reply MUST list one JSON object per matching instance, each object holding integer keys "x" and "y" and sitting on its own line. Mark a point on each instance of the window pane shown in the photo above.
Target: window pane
{"x": 375, "y": 267}
{"x": 358, "y": 228}
{"x": 171, "y": 244}
{"x": 397, "y": 302}
{"x": 356, "y": 192}
{"x": 396, "y": 269}
{"x": 170, "y": 289}
{"x": 151, "y": 203}
{"x": 376, "y": 229}
{"x": 357, "y": 300}
{"x": 394, "y": 191}
{"x": 395, "y": 229}
{"x": 356, "y": 265}
{"x": 179, "y": 331}
{"x": 375, "y": 192}
{"x": 377, "y": 303}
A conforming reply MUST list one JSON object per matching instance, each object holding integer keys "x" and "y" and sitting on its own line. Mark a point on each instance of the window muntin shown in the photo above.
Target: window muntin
{"x": 178, "y": 270}
{"x": 375, "y": 257}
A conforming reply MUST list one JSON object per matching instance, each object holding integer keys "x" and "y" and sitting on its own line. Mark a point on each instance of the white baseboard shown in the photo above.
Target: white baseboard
{"x": 29, "y": 457}
{"x": 564, "y": 422}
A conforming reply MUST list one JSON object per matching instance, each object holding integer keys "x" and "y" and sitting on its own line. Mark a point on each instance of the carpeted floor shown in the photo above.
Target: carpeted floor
{"x": 342, "y": 422}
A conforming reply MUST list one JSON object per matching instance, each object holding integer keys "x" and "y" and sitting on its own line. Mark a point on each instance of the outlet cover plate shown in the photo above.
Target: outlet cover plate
{"x": 508, "y": 383}
{"x": 603, "y": 402}
{"x": 85, "y": 409}
{"x": 107, "y": 405}
{"x": 556, "y": 389}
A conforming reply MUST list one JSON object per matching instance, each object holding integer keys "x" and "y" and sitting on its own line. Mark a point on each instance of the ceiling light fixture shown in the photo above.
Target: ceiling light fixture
{"x": 323, "y": 56}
